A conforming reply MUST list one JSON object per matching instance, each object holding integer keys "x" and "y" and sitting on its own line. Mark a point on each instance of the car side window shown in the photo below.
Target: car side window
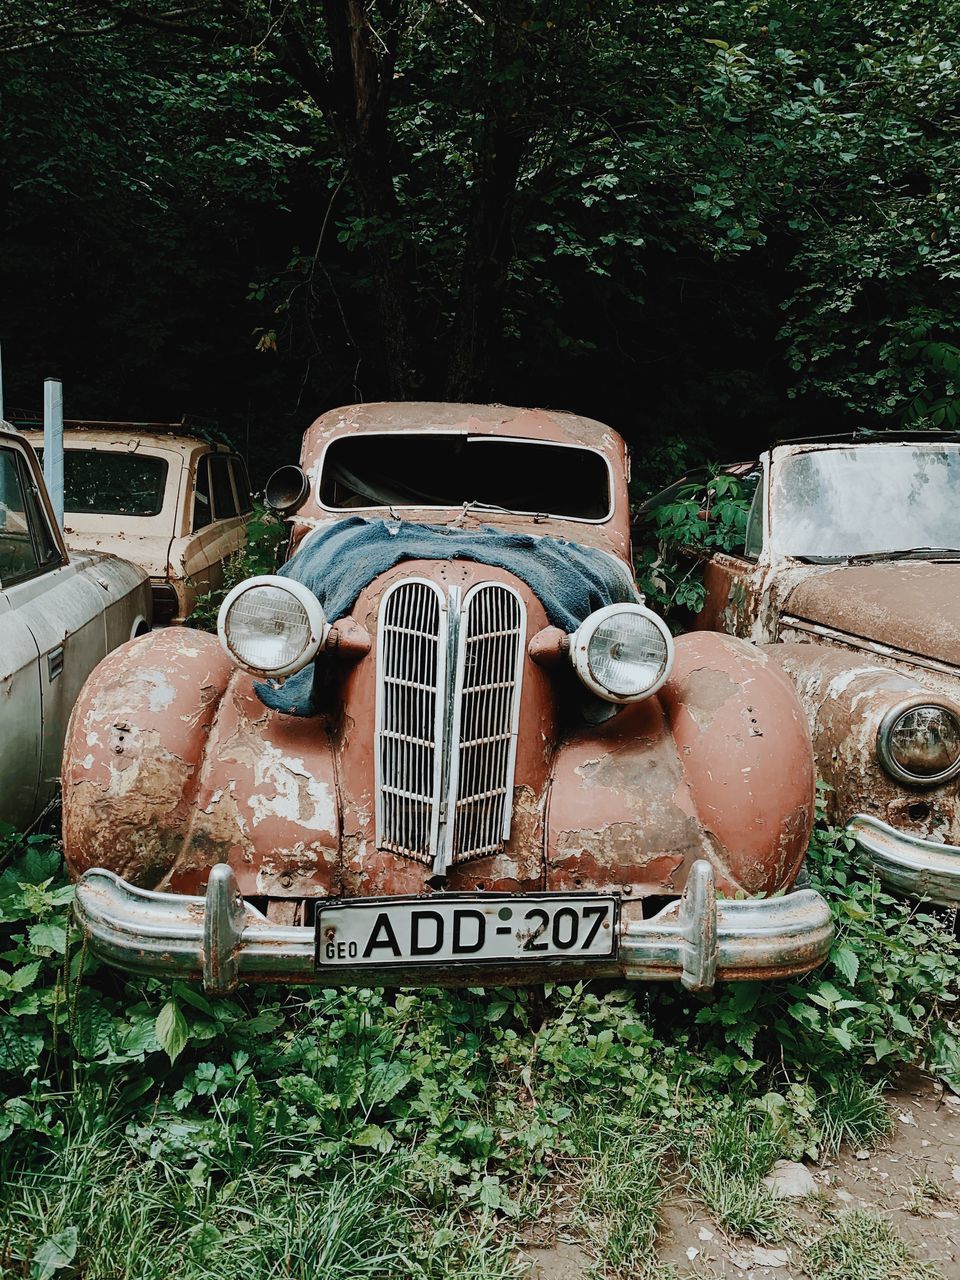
{"x": 224, "y": 502}
{"x": 241, "y": 482}
{"x": 27, "y": 545}
{"x": 753, "y": 541}
{"x": 202, "y": 513}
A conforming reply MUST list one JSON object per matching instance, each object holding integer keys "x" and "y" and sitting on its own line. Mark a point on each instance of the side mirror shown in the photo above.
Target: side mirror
{"x": 286, "y": 490}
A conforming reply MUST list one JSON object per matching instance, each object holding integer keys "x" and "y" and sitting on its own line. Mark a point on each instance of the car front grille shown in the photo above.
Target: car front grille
{"x": 449, "y": 672}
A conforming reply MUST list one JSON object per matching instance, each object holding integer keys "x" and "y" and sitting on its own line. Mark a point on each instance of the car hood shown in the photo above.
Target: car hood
{"x": 913, "y": 607}
{"x": 150, "y": 552}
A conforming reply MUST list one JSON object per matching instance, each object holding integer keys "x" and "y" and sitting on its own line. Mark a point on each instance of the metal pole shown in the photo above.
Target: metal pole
{"x": 1, "y": 384}
{"x": 53, "y": 444}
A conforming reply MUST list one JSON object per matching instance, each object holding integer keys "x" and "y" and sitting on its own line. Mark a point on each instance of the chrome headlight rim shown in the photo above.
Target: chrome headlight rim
{"x": 580, "y": 652}
{"x": 317, "y": 624}
{"x": 888, "y": 724}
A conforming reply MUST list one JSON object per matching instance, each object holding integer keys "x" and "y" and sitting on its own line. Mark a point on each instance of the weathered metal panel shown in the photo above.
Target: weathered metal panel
{"x": 134, "y": 751}
{"x": 20, "y": 718}
{"x": 846, "y": 695}
{"x": 913, "y": 607}
{"x": 717, "y": 766}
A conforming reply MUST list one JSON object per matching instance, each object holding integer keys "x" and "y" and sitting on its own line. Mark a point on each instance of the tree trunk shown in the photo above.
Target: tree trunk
{"x": 356, "y": 98}
{"x": 477, "y": 324}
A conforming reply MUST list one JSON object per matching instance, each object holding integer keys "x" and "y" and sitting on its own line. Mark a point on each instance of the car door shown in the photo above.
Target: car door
{"x": 63, "y": 605}
{"x": 218, "y": 521}
{"x": 732, "y": 579}
{"x": 20, "y": 708}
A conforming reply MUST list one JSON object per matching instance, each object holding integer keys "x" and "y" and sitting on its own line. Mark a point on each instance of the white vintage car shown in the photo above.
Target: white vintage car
{"x": 60, "y": 613}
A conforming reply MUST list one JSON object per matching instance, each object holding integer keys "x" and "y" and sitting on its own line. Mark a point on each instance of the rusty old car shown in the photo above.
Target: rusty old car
{"x": 447, "y": 742}
{"x": 170, "y": 501}
{"x": 60, "y": 613}
{"x": 850, "y": 567}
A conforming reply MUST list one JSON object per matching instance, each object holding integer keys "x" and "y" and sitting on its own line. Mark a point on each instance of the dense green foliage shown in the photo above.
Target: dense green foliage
{"x": 713, "y": 219}
{"x": 385, "y": 1111}
{"x": 682, "y": 530}
{"x": 262, "y": 553}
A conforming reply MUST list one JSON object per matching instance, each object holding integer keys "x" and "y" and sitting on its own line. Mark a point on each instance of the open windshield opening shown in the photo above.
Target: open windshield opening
{"x": 439, "y": 470}
{"x": 867, "y": 500}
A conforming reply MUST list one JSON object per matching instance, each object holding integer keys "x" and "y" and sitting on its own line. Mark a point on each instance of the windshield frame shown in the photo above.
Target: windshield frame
{"x": 777, "y": 544}
{"x": 479, "y": 508}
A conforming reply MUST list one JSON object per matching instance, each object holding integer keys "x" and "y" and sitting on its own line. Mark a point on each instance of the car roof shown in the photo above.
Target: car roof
{"x": 169, "y": 436}
{"x": 866, "y": 435}
{"x": 549, "y": 425}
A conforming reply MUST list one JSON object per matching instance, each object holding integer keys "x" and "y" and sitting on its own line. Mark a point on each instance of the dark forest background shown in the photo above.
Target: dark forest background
{"x": 708, "y": 223}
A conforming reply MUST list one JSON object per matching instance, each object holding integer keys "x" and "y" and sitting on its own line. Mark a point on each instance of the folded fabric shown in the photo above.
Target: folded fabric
{"x": 336, "y": 564}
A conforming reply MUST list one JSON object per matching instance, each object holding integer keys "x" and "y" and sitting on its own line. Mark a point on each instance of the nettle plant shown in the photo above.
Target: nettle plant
{"x": 707, "y": 514}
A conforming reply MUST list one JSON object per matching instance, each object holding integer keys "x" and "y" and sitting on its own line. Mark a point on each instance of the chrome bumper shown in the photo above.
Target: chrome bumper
{"x": 698, "y": 939}
{"x": 907, "y": 863}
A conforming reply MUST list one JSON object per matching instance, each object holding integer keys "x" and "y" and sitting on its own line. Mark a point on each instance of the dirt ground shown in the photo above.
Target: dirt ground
{"x": 912, "y": 1177}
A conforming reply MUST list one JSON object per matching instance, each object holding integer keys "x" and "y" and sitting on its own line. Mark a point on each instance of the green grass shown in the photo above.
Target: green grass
{"x": 862, "y": 1245}
{"x": 853, "y": 1112}
{"x": 624, "y": 1182}
{"x": 148, "y": 1131}
{"x": 727, "y": 1159}
{"x": 95, "y": 1200}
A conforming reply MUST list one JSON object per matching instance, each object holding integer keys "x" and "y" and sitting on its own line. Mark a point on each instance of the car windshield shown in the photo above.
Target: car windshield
{"x": 445, "y": 470}
{"x": 104, "y": 482}
{"x": 867, "y": 500}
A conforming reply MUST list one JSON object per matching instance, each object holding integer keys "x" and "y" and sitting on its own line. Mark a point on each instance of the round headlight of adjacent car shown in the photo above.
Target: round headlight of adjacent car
{"x": 622, "y": 653}
{"x": 920, "y": 744}
{"x": 271, "y": 625}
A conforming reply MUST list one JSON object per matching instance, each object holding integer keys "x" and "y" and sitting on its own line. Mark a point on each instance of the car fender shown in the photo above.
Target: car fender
{"x": 172, "y": 764}
{"x": 846, "y": 695}
{"x": 718, "y": 765}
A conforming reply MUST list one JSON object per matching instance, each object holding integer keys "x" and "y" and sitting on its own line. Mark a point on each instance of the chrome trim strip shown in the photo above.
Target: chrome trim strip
{"x": 863, "y": 645}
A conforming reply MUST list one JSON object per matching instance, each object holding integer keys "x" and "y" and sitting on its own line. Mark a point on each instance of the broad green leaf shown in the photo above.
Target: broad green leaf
{"x": 846, "y": 962}
{"x": 20, "y": 979}
{"x": 49, "y": 936}
{"x": 171, "y": 1030}
{"x": 55, "y": 1253}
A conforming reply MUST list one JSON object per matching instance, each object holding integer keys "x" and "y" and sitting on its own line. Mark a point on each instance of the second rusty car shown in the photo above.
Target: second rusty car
{"x": 849, "y": 571}
{"x": 447, "y": 742}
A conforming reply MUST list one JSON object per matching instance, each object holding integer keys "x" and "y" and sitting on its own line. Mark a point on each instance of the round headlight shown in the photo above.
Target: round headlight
{"x": 920, "y": 744}
{"x": 622, "y": 653}
{"x": 271, "y": 626}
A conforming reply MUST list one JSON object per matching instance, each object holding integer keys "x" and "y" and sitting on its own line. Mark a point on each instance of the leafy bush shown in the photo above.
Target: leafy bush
{"x": 702, "y": 516}
{"x": 265, "y": 535}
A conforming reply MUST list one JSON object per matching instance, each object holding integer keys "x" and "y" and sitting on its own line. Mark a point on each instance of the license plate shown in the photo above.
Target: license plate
{"x": 466, "y": 930}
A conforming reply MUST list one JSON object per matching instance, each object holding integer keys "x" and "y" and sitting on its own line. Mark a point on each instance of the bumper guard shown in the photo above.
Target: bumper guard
{"x": 698, "y": 938}
{"x": 907, "y": 863}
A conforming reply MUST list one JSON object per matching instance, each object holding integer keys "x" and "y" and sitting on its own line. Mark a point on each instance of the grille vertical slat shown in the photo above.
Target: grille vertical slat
{"x": 411, "y": 664}
{"x": 445, "y": 782}
{"x": 488, "y": 673}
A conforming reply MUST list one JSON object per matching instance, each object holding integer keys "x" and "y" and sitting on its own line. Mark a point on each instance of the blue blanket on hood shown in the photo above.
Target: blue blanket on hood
{"x": 336, "y": 564}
